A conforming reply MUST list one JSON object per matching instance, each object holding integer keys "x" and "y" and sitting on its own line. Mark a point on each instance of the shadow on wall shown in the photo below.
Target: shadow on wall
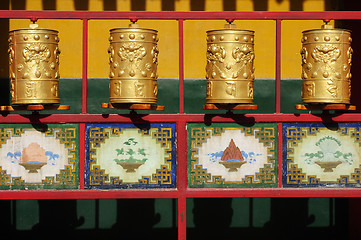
{"x": 133, "y": 211}
{"x": 289, "y": 218}
{"x": 212, "y": 218}
{"x": 57, "y": 215}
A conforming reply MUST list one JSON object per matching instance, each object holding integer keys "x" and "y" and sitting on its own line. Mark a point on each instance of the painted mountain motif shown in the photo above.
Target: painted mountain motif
{"x": 33, "y": 157}
{"x": 232, "y": 158}
{"x": 227, "y": 155}
{"x": 39, "y": 158}
{"x": 232, "y": 152}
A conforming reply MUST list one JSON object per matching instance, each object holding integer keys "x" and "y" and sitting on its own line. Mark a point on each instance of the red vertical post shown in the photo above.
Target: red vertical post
{"x": 278, "y": 66}
{"x": 278, "y": 97}
{"x": 84, "y": 103}
{"x": 181, "y": 144}
{"x": 81, "y": 154}
{"x": 181, "y": 66}
{"x": 182, "y": 176}
{"x": 85, "y": 66}
{"x": 182, "y": 223}
{"x": 280, "y": 156}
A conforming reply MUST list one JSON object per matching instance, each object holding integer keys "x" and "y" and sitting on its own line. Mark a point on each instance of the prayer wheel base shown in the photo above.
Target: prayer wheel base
{"x": 34, "y": 107}
{"x": 230, "y": 107}
{"x": 345, "y": 107}
{"x": 132, "y": 106}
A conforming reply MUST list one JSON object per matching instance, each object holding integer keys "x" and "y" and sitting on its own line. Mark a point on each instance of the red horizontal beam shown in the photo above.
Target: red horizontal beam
{"x": 273, "y": 193}
{"x": 173, "y": 193}
{"x": 174, "y": 15}
{"x": 189, "y": 118}
{"x": 87, "y": 194}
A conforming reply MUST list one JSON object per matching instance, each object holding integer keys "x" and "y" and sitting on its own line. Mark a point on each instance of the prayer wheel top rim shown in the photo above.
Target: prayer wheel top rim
{"x": 132, "y": 29}
{"x": 230, "y": 30}
{"x": 37, "y": 30}
{"x": 325, "y": 30}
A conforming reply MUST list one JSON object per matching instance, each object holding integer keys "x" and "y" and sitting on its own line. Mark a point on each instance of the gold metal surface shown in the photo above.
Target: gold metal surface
{"x": 34, "y": 65}
{"x": 230, "y": 70}
{"x": 133, "y": 60}
{"x": 326, "y": 64}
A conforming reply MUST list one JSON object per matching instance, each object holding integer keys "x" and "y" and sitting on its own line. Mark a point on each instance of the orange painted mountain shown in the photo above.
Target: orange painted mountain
{"x": 232, "y": 152}
{"x": 33, "y": 153}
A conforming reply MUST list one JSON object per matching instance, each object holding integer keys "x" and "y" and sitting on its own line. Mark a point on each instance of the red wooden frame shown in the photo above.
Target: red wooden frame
{"x": 181, "y": 119}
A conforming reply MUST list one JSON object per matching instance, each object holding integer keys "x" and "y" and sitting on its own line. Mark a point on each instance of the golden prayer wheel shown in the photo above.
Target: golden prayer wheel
{"x": 34, "y": 65}
{"x": 326, "y": 64}
{"x": 133, "y": 60}
{"x": 230, "y": 70}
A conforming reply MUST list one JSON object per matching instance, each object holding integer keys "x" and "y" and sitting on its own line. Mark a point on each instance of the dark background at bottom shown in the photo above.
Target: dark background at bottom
{"x": 230, "y": 218}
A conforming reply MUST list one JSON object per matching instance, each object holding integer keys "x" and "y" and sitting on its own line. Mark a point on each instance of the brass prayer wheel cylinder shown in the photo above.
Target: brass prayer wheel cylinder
{"x": 34, "y": 65}
{"x": 326, "y": 65}
{"x": 230, "y": 70}
{"x": 133, "y": 60}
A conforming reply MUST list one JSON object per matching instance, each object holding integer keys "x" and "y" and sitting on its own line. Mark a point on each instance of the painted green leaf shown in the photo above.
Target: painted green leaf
{"x": 141, "y": 151}
{"x": 131, "y": 152}
{"x": 119, "y": 151}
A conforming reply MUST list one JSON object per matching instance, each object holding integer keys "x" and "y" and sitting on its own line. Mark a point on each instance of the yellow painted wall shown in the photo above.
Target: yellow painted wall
{"x": 70, "y": 33}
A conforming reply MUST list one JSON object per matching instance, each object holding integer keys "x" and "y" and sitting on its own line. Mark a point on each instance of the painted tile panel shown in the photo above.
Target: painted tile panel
{"x": 315, "y": 154}
{"x": 130, "y": 156}
{"x": 39, "y": 156}
{"x": 224, "y": 155}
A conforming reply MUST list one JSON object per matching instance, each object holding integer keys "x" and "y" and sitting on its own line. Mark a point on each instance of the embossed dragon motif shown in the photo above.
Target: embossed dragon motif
{"x": 243, "y": 53}
{"x": 326, "y": 53}
{"x": 36, "y": 52}
{"x": 215, "y": 53}
{"x": 132, "y": 51}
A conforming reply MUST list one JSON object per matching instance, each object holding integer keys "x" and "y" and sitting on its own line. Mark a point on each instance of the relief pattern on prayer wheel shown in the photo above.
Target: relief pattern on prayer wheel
{"x": 326, "y": 65}
{"x": 34, "y": 65}
{"x": 133, "y": 60}
{"x": 230, "y": 69}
